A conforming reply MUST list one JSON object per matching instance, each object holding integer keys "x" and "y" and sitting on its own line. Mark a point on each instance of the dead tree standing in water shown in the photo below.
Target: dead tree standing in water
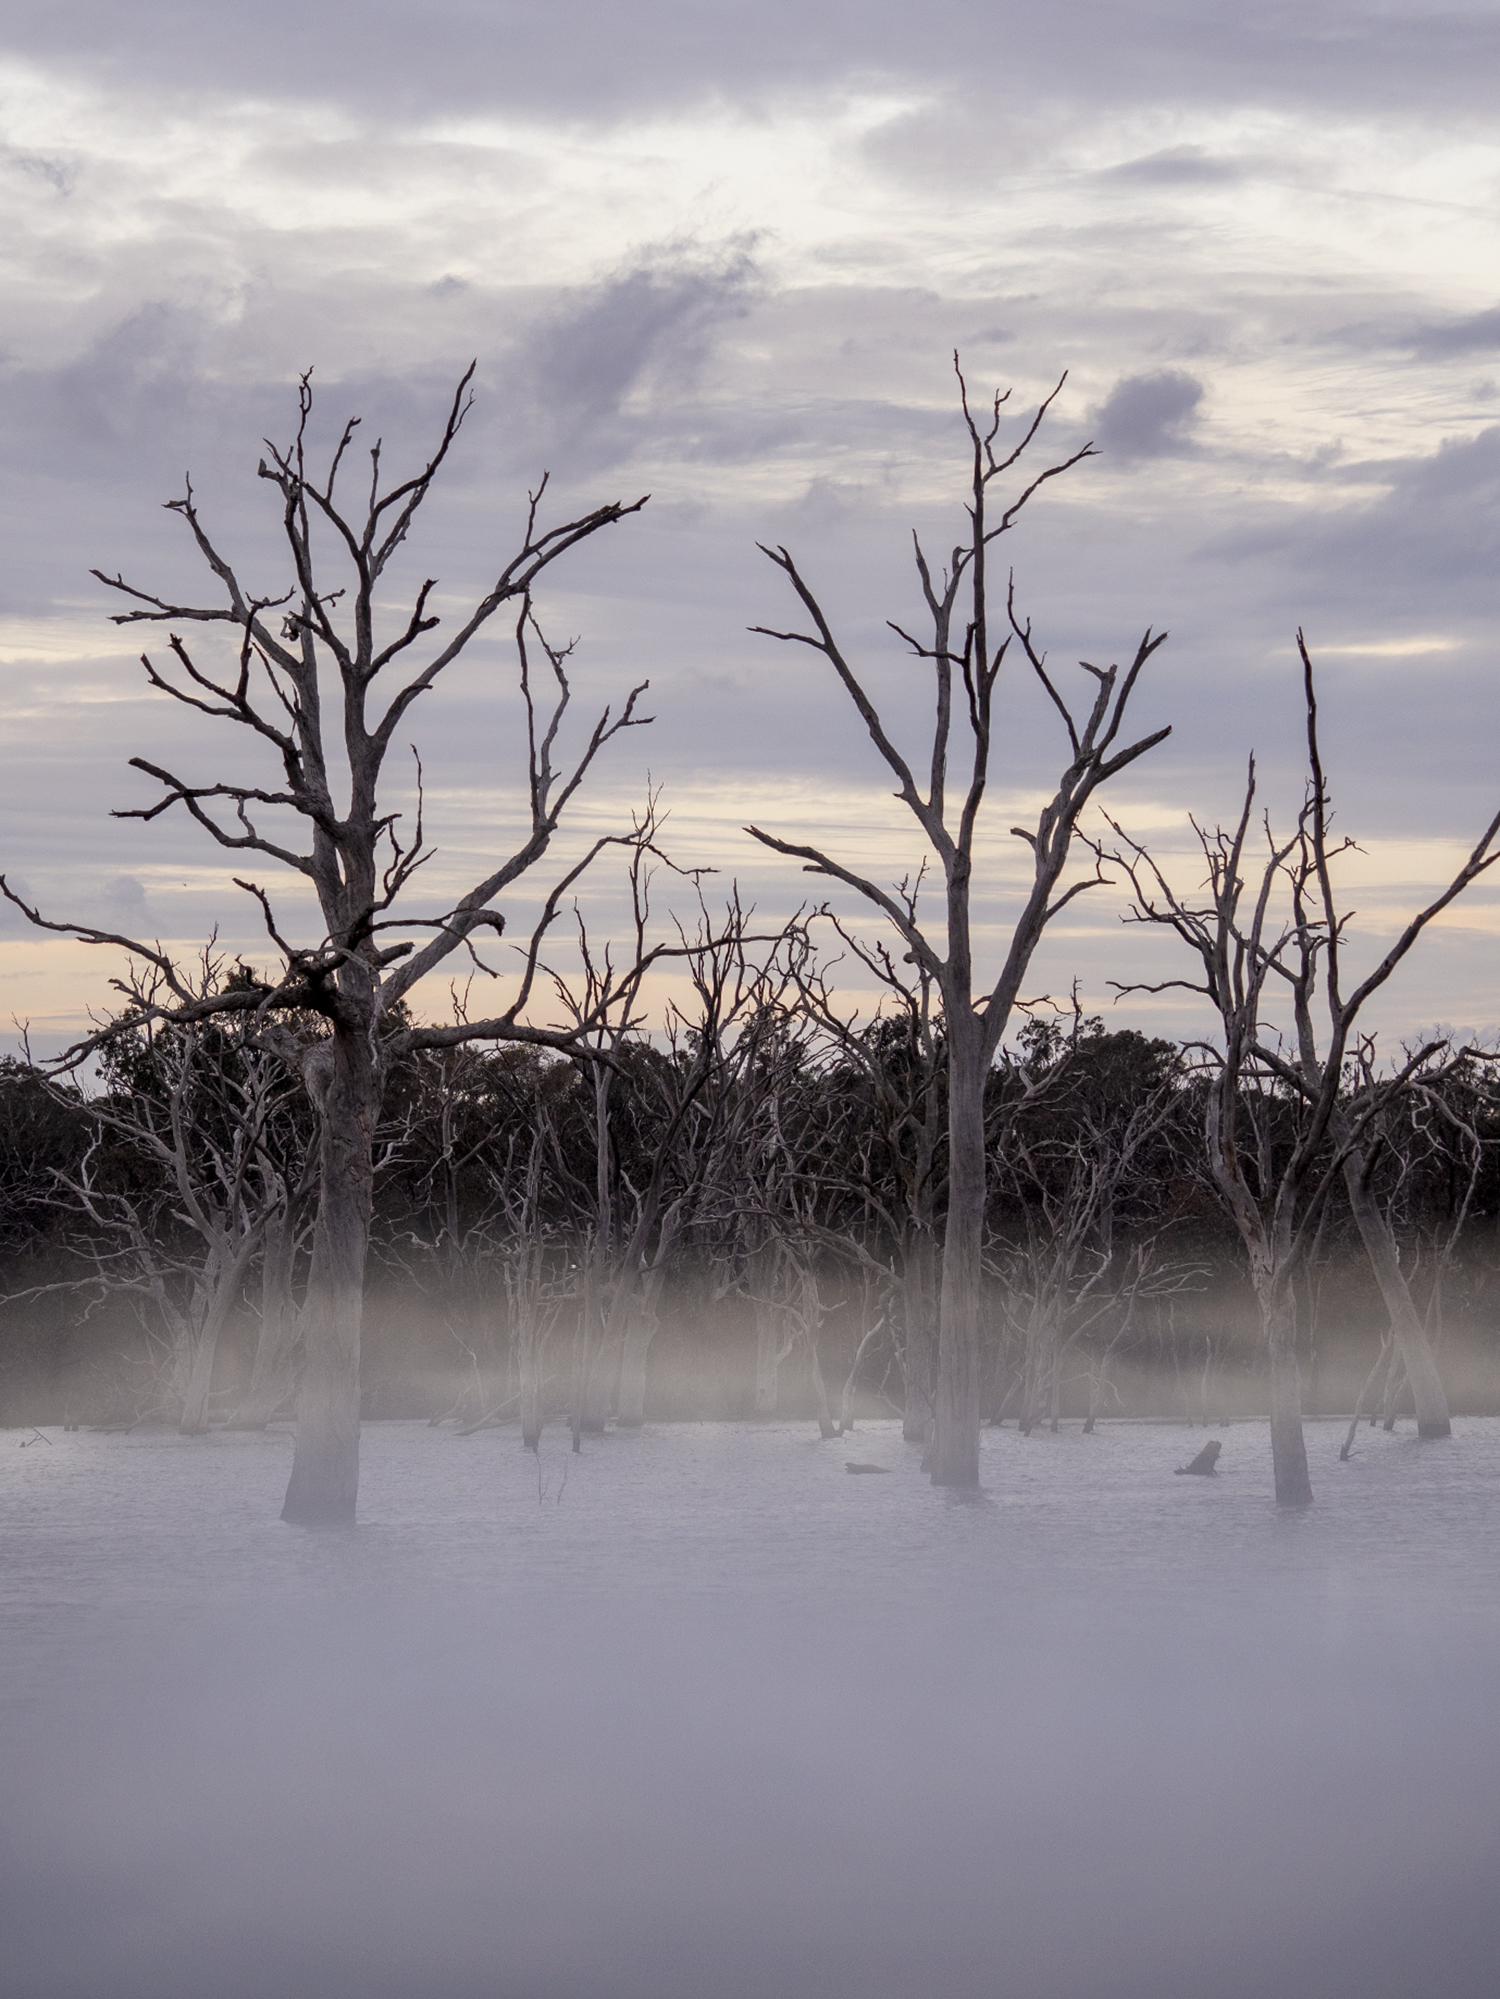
{"x": 318, "y": 637}
{"x": 1278, "y": 1136}
{"x": 966, "y": 663}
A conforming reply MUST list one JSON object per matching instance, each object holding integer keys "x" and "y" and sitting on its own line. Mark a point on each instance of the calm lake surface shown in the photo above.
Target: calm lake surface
{"x": 697, "y": 1715}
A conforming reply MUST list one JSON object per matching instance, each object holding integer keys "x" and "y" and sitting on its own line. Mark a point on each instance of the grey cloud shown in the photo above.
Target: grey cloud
{"x": 575, "y": 58}
{"x": 1478, "y": 333}
{"x": 647, "y": 328}
{"x": 1436, "y": 523}
{"x": 1147, "y": 416}
{"x": 1432, "y": 339}
{"x": 1186, "y": 165}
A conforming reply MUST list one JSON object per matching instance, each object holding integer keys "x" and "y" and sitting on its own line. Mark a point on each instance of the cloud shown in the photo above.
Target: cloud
{"x": 1180, "y": 166}
{"x": 1477, "y": 333}
{"x": 1436, "y": 523}
{"x": 574, "y": 58}
{"x": 655, "y": 318}
{"x": 1147, "y": 416}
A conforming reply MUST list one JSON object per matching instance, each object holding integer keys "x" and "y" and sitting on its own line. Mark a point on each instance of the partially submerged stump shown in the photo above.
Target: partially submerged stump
{"x": 1204, "y": 1465}
{"x": 849, "y": 1465}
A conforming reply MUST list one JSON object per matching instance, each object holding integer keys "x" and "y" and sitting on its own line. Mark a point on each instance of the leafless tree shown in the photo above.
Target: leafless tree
{"x": 1278, "y": 1133}
{"x": 900, "y": 1055}
{"x": 966, "y": 662}
{"x": 1066, "y": 1278}
{"x": 173, "y": 1199}
{"x": 321, "y": 641}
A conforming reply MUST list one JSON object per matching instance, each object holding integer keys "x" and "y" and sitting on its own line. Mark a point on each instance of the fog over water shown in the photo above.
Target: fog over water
{"x": 697, "y": 1713}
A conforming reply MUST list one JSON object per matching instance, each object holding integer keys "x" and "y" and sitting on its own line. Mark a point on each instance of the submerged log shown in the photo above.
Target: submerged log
{"x": 1204, "y": 1465}
{"x": 849, "y": 1465}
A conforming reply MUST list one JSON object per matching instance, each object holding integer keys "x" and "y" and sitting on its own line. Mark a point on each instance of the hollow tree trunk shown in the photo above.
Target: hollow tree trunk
{"x": 1288, "y": 1445}
{"x": 1410, "y": 1334}
{"x": 324, "y": 1485}
{"x": 955, "y": 1455}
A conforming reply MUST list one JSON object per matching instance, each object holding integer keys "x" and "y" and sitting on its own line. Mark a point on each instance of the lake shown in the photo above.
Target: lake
{"x": 698, "y": 1715}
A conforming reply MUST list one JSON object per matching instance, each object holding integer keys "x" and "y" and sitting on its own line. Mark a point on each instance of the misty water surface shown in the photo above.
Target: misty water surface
{"x": 699, "y": 1714}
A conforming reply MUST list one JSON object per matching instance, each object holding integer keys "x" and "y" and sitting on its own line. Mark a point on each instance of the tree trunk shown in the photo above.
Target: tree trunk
{"x": 1097, "y": 1389}
{"x": 273, "y": 1375}
{"x": 917, "y": 1344}
{"x": 224, "y": 1294}
{"x": 193, "y": 1421}
{"x": 768, "y": 1356}
{"x": 1288, "y": 1445}
{"x": 635, "y": 1347}
{"x": 955, "y": 1456}
{"x": 324, "y": 1485}
{"x": 528, "y": 1368}
{"x": 826, "y": 1425}
{"x": 1411, "y": 1335}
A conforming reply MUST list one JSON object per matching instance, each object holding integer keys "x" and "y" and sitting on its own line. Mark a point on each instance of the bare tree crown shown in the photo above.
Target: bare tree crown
{"x": 319, "y": 637}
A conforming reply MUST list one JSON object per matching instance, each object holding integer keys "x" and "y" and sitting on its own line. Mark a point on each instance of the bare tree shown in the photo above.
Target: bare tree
{"x": 966, "y": 664}
{"x": 325, "y": 635}
{"x": 1072, "y": 1157}
{"x": 1278, "y": 1135}
{"x": 171, "y": 1201}
{"x": 899, "y": 1056}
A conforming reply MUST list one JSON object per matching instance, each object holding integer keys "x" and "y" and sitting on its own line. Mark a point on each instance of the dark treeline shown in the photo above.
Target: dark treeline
{"x": 739, "y": 1215}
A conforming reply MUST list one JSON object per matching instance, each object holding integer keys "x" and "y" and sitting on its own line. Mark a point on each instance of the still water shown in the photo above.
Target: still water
{"x": 697, "y": 1713}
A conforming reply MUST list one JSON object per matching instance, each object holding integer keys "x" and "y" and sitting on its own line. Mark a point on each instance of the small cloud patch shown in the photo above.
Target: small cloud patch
{"x": 1148, "y": 416}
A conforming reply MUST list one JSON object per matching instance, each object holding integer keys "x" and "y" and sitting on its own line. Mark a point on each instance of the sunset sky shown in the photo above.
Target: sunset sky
{"x": 723, "y": 254}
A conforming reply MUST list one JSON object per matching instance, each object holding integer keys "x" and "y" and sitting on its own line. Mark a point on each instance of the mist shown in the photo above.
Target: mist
{"x": 696, "y": 1712}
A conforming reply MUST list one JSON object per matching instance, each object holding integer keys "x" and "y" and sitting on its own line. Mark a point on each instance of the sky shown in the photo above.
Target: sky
{"x": 725, "y": 254}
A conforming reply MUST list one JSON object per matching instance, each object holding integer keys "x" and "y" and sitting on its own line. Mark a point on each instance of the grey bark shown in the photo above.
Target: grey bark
{"x": 966, "y": 666}
{"x": 1410, "y": 1334}
{"x": 273, "y": 1374}
{"x": 358, "y": 861}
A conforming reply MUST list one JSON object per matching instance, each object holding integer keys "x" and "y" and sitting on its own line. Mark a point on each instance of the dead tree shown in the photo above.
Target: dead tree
{"x": 1070, "y": 1158}
{"x": 899, "y": 1057}
{"x": 174, "y": 1198}
{"x": 325, "y": 640}
{"x": 1278, "y": 1135}
{"x": 966, "y": 663}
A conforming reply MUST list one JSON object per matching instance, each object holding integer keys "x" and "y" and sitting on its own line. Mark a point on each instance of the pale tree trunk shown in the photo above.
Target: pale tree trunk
{"x": 528, "y": 1369}
{"x": 955, "y": 1454}
{"x": 193, "y": 1421}
{"x": 1097, "y": 1391}
{"x": 826, "y": 1426}
{"x": 769, "y": 1354}
{"x": 917, "y": 1345}
{"x": 635, "y": 1349}
{"x": 1288, "y": 1445}
{"x": 273, "y": 1375}
{"x": 588, "y": 1343}
{"x": 1410, "y": 1334}
{"x": 810, "y": 1316}
{"x": 224, "y": 1290}
{"x": 324, "y": 1485}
